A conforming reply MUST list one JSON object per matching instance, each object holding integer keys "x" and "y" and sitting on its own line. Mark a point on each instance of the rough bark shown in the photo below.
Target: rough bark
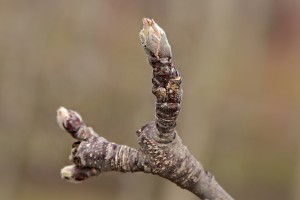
{"x": 161, "y": 150}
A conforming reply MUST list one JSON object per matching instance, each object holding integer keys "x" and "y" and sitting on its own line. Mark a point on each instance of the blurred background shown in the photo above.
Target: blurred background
{"x": 240, "y": 63}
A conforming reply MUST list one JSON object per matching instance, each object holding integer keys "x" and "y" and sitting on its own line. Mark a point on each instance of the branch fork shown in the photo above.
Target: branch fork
{"x": 161, "y": 150}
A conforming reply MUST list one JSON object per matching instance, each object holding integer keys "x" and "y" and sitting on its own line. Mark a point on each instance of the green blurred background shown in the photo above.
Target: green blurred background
{"x": 240, "y": 63}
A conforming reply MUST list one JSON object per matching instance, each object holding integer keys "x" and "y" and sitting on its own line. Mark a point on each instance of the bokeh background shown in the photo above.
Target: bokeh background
{"x": 240, "y": 63}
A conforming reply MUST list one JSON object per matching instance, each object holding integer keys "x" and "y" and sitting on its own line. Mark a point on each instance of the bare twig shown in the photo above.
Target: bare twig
{"x": 161, "y": 150}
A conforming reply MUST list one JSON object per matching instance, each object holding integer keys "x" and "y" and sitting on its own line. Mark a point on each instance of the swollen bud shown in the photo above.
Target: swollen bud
{"x": 154, "y": 40}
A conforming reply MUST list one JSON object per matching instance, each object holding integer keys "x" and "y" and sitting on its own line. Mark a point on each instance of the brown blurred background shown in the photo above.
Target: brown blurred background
{"x": 240, "y": 62}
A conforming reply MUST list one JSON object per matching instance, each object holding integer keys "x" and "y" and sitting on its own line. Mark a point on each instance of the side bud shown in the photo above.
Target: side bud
{"x": 74, "y": 174}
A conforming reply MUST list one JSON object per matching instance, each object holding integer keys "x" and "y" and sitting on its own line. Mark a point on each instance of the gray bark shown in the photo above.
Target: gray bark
{"x": 161, "y": 150}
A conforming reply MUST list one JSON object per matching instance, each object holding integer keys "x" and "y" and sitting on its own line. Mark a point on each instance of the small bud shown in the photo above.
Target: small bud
{"x": 69, "y": 173}
{"x": 68, "y": 120}
{"x": 62, "y": 116}
{"x": 73, "y": 123}
{"x": 75, "y": 174}
{"x": 154, "y": 40}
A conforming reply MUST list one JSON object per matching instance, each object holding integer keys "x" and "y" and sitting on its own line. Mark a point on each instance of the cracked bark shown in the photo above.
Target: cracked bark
{"x": 161, "y": 150}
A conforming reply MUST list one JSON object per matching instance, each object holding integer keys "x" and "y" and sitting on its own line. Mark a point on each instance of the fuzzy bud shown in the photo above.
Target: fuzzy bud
{"x": 155, "y": 41}
{"x": 69, "y": 120}
{"x": 75, "y": 174}
{"x": 62, "y": 115}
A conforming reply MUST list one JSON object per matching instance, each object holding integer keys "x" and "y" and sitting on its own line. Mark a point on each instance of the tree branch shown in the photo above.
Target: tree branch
{"x": 166, "y": 79}
{"x": 161, "y": 150}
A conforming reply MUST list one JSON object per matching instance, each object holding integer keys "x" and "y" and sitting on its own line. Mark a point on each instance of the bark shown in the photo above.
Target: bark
{"x": 161, "y": 150}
